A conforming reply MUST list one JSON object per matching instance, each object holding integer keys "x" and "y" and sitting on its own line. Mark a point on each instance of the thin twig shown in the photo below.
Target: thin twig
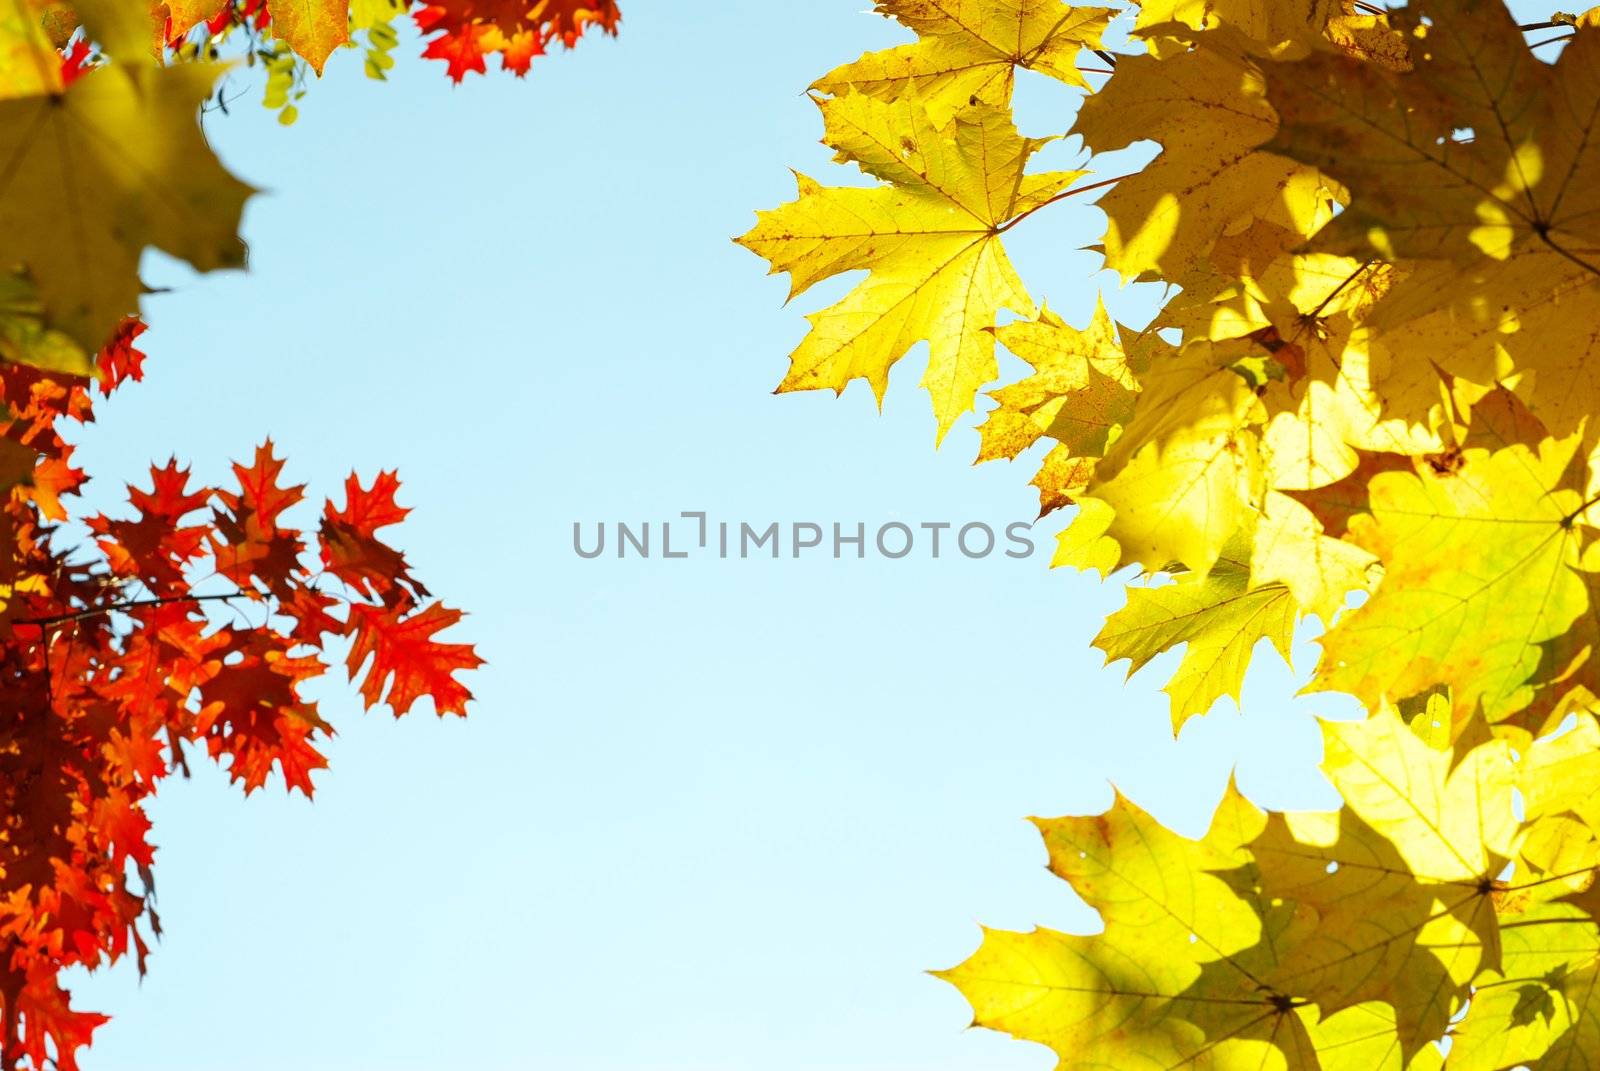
{"x": 130, "y": 604}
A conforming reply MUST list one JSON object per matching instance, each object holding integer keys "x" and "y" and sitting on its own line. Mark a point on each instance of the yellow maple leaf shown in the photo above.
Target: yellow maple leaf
{"x": 114, "y": 164}
{"x": 1481, "y": 153}
{"x": 131, "y": 33}
{"x": 1519, "y": 323}
{"x": 1083, "y": 544}
{"x": 29, "y": 65}
{"x": 185, "y": 15}
{"x": 970, "y": 49}
{"x": 1207, "y": 106}
{"x": 1478, "y": 572}
{"x": 1282, "y": 944}
{"x": 1381, "y": 935}
{"x": 1218, "y": 619}
{"x": 1558, "y": 774}
{"x": 1182, "y": 476}
{"x": 26, "y": 338}
{"x": 1542, "y": 1006}
{"x": 1139, "y": 995}
{"x": 1289, "y": 546}
{"x": 1449, "y": 825}
{"x": 930, "y": 239}
{"x": 1080, "y": 393}
{"x": 1268, "y": 22}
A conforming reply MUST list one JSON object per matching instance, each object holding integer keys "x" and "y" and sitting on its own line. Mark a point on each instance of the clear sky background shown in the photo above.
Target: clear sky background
{"x": 704, "y": 814}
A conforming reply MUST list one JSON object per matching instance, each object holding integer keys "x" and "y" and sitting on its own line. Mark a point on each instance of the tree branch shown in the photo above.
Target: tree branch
{"x": 129, "y": 604}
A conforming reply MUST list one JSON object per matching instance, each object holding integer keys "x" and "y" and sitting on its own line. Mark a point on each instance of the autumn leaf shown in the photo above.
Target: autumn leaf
{"x": 130, "y": 32}
{"x": 1291, "y": 547}
{"x": 1080, "y": 394}
{"x": 406, "y": 659}
{"x": 1217, "y": 618}
{"x": 26, "y": 338}
{"x": 1542, "y": 1006}
{"x": 28, "y": 62}
{"x": 1141, "y": 989}
{"x": 1180, "y": 477}
{"x": 517, "y": 30}
{"x": 185, "y": 15}
{"x": 930, "y": 237}
{"x": 969, "y": 50}
{"x": 1084, "y": 544}
{"x": 1448, "y": 824}
{"x": 313, "y": 28}
{"x": 1381, "y": 937}
{"x": 1278, "y": 941}
{"x": 1462, "y": 550}
{"x": 352, "y": 551}
{"x": 1208, "y": 108}
{"x": 1370, "y": 398}
{"x": 114, "y": 165}
{"x": 251, "y": 711}
{"x": 1272, "y": 24}
{"x": 1212, "y": 955}
{"x": 120, "y": 678}
{"x": 1481, "y": 153}
{"x": 251, "y": 547}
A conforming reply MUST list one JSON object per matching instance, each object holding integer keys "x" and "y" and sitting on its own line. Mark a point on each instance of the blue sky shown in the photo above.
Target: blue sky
{"x": 705, "y": 814}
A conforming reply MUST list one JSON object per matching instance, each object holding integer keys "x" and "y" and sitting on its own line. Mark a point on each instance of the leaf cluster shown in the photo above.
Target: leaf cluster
{"x": 1368, "y": 402}
{"x": 188, "y": 627}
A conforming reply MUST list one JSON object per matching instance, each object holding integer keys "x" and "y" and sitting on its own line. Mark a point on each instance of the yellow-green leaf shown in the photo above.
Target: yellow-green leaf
{"x": 1478, "y": 572}
{"x": 114, "y": 165}
{"x": 1217, "y": 618}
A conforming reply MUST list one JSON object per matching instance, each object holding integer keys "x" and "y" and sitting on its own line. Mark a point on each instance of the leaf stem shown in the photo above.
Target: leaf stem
{"x": 1575, "y": 514}
{"x": 1348, "y": 279}
{"x": 1062, "y": 196}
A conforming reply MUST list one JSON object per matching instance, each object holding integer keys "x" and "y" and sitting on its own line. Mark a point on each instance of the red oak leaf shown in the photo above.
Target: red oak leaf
{"x": 517, "y": 29}
{"x": 248, "y": 543}
{"x": 461, "y": 48}
{"x": 251, "y": 710}
{"x": 403, "y": 649}
{"x": 120, "y": 361}
{"x": 351, "y": 551}
{"x": 308, "y": 609}
{"x": 157, "y": 546}
{"x": 519, "y": 50}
